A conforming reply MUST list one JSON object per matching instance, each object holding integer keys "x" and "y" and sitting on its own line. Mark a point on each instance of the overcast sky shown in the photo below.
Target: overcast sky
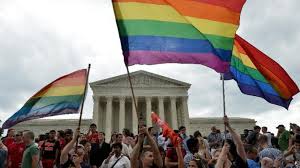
{"x": 41, "y": 40}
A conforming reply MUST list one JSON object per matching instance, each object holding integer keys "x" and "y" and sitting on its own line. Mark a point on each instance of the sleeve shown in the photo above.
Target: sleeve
{"x": 34, "y": 151}
{"x": 104, "y": 165}
{"x": 127, "y": 163}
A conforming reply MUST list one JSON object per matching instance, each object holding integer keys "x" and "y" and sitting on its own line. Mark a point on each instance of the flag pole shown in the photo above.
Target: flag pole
{"x": 224, "y": 102}
{"x": 83, "y": 100}
{"x": 132, "y": 93}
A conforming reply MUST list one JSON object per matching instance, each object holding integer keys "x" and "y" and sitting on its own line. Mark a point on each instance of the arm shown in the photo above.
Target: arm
{"x": 237, "y": 140}
{"x": 68, "y": 147}
{"x": 35, "y": 161}
{"x": 223, "y": 159}
{"x": 180, "y": 157}
{"x": 157, "y": 157}
{"x": 134, "y": 158}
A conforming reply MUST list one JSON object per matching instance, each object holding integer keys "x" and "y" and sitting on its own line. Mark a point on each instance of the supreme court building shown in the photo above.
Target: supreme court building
{"x": 114, "y": 107}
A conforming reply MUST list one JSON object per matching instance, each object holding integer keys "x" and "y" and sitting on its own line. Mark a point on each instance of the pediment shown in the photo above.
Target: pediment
{"x": 140, "y": 79}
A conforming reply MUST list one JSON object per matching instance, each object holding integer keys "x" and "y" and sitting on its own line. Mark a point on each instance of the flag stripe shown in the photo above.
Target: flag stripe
{"x": 246, "y": 79}
{"x": 170, "y": 44}
{"x": 167, "y": 13}
{"x": 154, "y": 57}
{"x": 199, "y": 10}
{"x": 61, "y": 91}
{"x": 169, "y": 29}
{"x": 45, "y": 101}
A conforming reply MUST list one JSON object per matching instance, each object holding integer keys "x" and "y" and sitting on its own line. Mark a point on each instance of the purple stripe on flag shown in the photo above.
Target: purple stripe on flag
{"x": 157, "y": 57}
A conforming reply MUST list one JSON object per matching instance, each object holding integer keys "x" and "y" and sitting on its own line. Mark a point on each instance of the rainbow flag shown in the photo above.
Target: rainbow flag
{"x": 258, "y": 75}
{"x": 178, "y": 31}
{"x": 62, "y": 96}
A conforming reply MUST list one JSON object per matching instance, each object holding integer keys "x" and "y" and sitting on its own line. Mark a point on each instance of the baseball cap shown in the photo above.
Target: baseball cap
{"x": 280, "y": 126}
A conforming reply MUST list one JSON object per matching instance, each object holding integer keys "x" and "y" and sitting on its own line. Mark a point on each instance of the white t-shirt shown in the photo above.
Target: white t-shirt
{"x": 269, "y": 138}
{"x": 123, "y": 162}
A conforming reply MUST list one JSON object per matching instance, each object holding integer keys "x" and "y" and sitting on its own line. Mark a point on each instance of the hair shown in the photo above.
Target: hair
{"x": 117, "y": 145}
{"x": 197, "y": 134}
{"x": 126, "y": 132}
{"x": 93, "y": 125}
{"x": 192, "y": 144}
{"x": 52, "y": 131}
{"x": 200, "y": 163}
{"x": 264, "y": 127}
{"x": 181, "y": 128}
{"x": 103, "y": 133}
{"x": 150, "y": 128}
{"x": 30, "y": 134}
{"x": 83, "y": 142}
{"x": 251, "y": 149}
{"x": 68, "y": 131}
{"x": 232, "y": 148}
{"x": 176, "y": 131}
{"x": 256, "y": 127}
{"x": 263, "y": 139}
{"x": 61, "y": 133}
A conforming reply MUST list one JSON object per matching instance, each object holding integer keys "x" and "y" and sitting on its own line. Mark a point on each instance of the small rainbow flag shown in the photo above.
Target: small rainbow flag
{"x": 259, "y": 75}
{"x": 62, "y": 96}
{"x": 178, "y": 31}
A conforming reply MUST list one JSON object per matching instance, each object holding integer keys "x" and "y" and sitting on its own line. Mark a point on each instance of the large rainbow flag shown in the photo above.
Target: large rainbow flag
{"x": 259, "y": 75}
{"x": 178, "y": 31}
{"x": 62, "y": 96}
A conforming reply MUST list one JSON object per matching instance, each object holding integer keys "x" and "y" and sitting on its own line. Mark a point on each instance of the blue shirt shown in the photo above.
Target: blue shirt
{"x": 3, "y": 157}
{"x": 252, "y": 164}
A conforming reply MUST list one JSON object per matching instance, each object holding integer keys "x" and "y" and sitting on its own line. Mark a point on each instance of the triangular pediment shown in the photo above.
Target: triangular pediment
{"x": 140, "y": 79}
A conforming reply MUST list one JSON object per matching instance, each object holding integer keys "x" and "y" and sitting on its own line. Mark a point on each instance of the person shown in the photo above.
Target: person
{"x": 253, "y": 136}
{"x": 283, "y": 137}
{"x": 3, "y": 155}
{"x": 252, "y": 157}
{"x": 99, "y": 152}
{"x": 146, "y": 159}
{"x": 72, "y": 156}
{"x": 61, "y": 138}
{"x": 195, "y": 164}
{"x": 10, "y": 137}
{"x": 264, "y": 130}
{"x": 214, "y": 138}
{"x": 15, "y": 152}
{"x": 87, "y": 150}
{"x": 182, "y": 134}
{"x": 125, "y": 150}
{"x": 31, "y": 153}
{"x": 50, "y": 150}
{"x": 163, "y": 141}
{"x": 203, "y": 147}
{"x": 152, "y": 132}
{"x": 215, "y": 156}
{"x": 128, "y": 140}
{"x": 116, "y": 159}
{"x": 233, "y": 152}
{"x": 193, "y": 148}
{"x": 68, "y": 135}
{"x": 113, "y": 138}
{"x": 92, "y": 135}
{"x": 293, "y": 154}
{"x": 266, "y": 150}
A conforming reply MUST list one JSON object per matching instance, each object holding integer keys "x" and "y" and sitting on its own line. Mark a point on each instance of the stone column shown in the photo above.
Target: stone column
{"x": 148, "y": 112}
{"x": 174, "y": 113}
{"x": 122, "y": 114}
{"x": 134, "y": 118}
{"x": 185, "y": 112}
{"x": 108, "y": 120}
{"x": 96, "y": 114}
{"x": 161, "y": 108}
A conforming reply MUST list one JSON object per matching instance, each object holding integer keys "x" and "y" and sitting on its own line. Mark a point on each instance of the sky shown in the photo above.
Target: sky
{"x": 41, "y": 40}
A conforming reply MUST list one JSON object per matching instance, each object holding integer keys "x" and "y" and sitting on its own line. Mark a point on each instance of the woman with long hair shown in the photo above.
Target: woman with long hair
{"x": 203, "y": 147}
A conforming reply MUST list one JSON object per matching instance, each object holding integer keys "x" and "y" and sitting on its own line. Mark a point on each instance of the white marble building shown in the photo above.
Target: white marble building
{"x": 114, "y": 108}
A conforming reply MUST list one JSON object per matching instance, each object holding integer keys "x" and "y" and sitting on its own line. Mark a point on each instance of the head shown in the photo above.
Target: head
{"x": 257, "y": 129}
{"x": 60, "y": 134}
{"x": 197, "y": 134}
{"x": 182, "y": 130}
{"x": 151, "y": 131}
{"x": 119, "y": 138}
{"x": 117, "y": 148}
{"x": 264, "y": 129}
{"x": 11, "y": 133}
{"x": 113, "y": 137}
{"x": 28, "y": 137}
{"x": 18, "y": 137}
{"x": 266, "y": 163}
{"x": 214, "y": 129}
{"x": 281, "y": 128}
{"x": 251, "y": 152}
{"x": 52, "y": 134}
{"x": 126, "y": 132}
{"x": 68, "y": 135}
{"x": 77, "y": 153}
{"x": 101, "y": 136}
{"x": 93, "y": 128}
{"x": 262, "y": 140}
{"x": 147, "y": 158}
{"x": 87, "y": 145}
{"x": 195, "y": 164}
{"x": 193, "y": 145}
{"x": 232, "y": 148}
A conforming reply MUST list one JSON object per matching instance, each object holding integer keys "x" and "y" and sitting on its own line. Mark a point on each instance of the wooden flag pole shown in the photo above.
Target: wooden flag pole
{"x": 82, "y": 102}
{"x": 224, "y": 102}
{"x": 132, "y": 93}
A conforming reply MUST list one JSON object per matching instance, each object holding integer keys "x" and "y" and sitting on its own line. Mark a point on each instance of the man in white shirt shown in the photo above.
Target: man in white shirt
{"x": 265, "y": 132}
{"x": 116, "y": 159}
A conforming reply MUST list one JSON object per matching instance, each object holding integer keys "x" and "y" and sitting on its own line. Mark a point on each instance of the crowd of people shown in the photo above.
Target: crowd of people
{"x": 256, "y": 148}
